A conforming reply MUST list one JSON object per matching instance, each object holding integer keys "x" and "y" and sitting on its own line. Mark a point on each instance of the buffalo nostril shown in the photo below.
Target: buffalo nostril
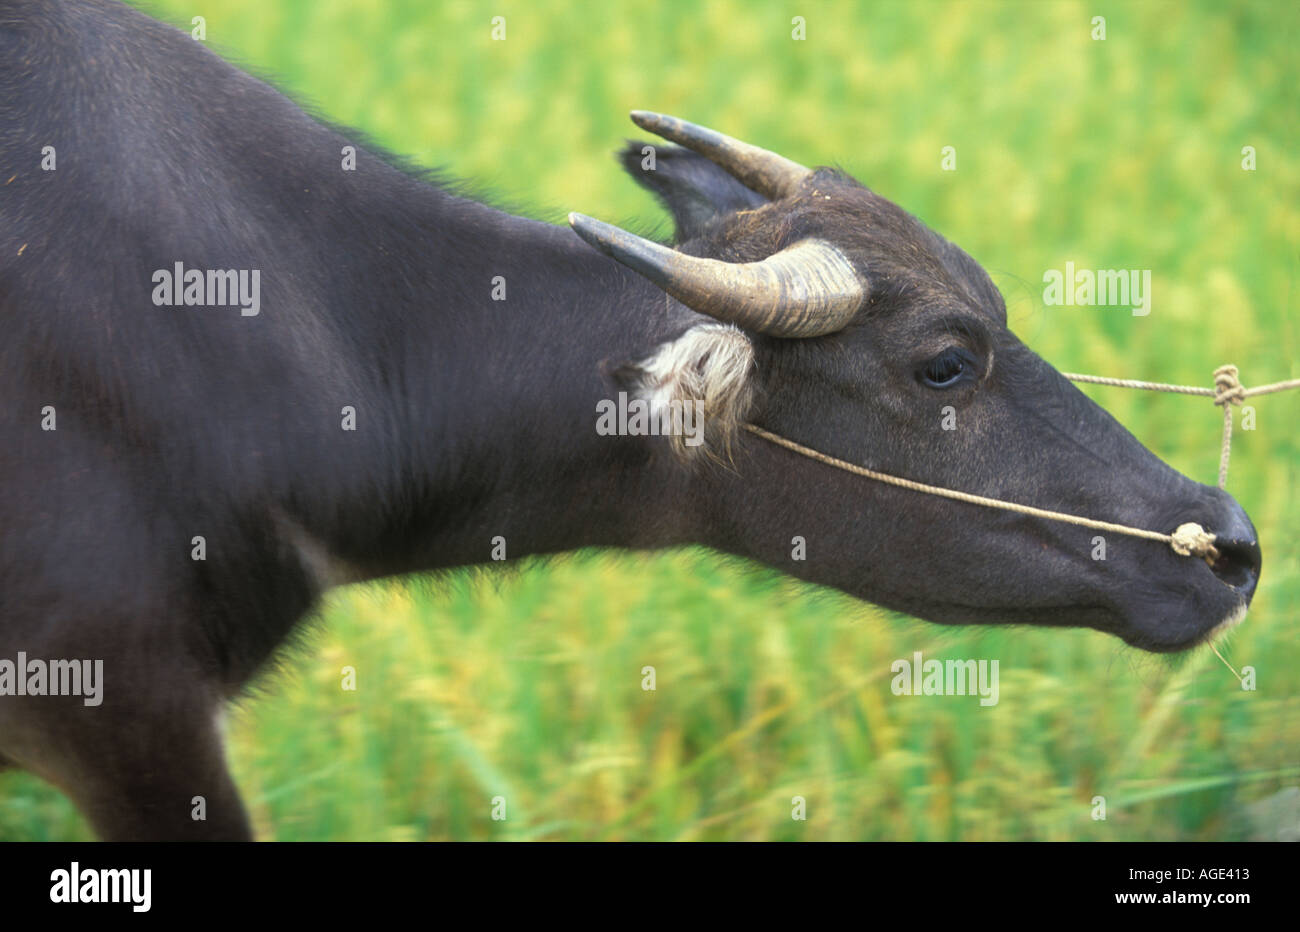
{"x": 1237, "y": 543}
{"x": 1237, "y": 564}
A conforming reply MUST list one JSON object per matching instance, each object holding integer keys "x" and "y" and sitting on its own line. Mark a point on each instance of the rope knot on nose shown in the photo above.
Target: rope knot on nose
{"x": 1227, "y": 387}
{"x": 1192, "y": 540}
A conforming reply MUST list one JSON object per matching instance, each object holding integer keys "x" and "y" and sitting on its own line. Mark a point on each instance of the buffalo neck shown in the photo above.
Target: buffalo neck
{"x": 486, "y": 378}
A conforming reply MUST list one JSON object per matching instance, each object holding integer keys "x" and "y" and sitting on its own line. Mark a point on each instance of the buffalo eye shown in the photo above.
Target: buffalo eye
{"x": 946, "y": 369}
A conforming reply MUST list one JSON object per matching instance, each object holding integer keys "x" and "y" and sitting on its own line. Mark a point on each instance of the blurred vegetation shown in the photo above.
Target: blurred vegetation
{"x": 1123, "y": 153}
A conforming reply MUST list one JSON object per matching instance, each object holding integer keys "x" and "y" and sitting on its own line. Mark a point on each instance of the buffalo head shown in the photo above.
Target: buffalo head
{"x": 819, "y": 310}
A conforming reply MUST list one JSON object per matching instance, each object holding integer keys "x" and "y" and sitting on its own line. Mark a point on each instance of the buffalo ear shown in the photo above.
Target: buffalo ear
{"x": 694, "y": 189}
{"x": 698, "y": 388}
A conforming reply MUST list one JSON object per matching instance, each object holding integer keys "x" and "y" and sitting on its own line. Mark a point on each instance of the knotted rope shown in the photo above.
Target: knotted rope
{"x": 1188, "y": 540}
{"x": 1227, "y": 391}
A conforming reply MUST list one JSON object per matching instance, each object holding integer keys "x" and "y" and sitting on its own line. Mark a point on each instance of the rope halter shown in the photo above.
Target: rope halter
{"x": 1187, "y": 540}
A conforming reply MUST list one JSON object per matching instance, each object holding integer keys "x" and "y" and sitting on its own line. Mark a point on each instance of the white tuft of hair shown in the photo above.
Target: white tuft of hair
{"x": 699, "y": 388}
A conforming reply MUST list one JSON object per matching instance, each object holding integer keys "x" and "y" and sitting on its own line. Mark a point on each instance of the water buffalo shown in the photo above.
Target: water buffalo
{"x": 247, "y": 356}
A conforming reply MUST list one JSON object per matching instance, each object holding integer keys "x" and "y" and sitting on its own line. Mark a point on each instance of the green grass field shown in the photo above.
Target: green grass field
{"x": 1122, "y": 153}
